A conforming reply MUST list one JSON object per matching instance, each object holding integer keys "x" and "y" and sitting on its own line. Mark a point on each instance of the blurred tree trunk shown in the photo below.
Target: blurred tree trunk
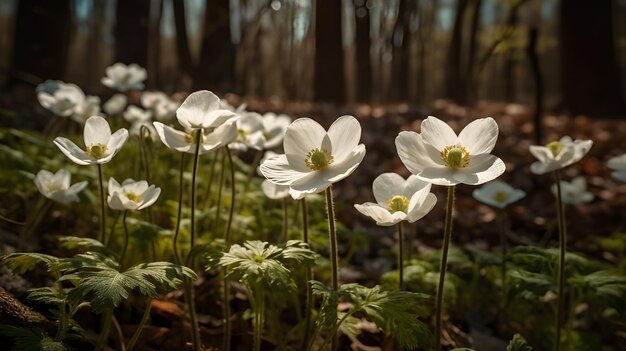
{"x": 401, "y": 49}
{"x": 454, "y": 77}
{"x": 590, "y": 77}
{"x": 41, "y": 49}
{"x": 131, "y": 31}
{"x": 471, "y": 54}
{"x": 154, "y": 44}
{"x": 363, "y": 55}
{"x": 329, "y": 74}
{"x": 216, "y": 66}
{"x": 182, "y": 42}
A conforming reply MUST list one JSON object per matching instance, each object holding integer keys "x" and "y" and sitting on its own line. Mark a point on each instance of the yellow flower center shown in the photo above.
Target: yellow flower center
{"x": 317, "y": 159}
{"x": 555, "y": 147}
{"x": 398, "y": 203}
{"x": 132, "y": 196}
{"x": 96, "y": 150}
{"x": 455, "y": 156}
{"x": 501, "y": 196}
{"x": 54, "y": 187}
{"x": 190, "y": 138}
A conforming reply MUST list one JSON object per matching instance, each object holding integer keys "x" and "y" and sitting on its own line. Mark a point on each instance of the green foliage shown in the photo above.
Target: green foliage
{"x": 25, "y": 339}
{"x": 25, "y": 261}
{"x": 518, "y": 343}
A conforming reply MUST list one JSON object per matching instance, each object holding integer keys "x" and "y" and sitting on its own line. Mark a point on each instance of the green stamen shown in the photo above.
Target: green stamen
{"x": 555, "y": 147}
{"x": 317, "y": 159}
{"x": 501, "y": 196}
{"x": 398, "y": 203}
{"x": 455, "y": 156}
{"x": 132, "y": 196}
{"x": 96, "y": 150}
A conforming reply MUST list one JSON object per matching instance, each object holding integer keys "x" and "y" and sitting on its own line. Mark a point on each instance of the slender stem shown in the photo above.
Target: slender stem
{"x": 107, "y": 317}
{"x": 118, "y": 331}
{"x": 226, "y": 304}
{"x": 562, "y": 248}
{"x": 193, "y": 190}
{"x": 308, "y": 276}
{"x": 102, "y": 206}
{"x": 285, "y": 221}
{"x": 146, "y": 160}
{"x": 207, "y": 199}
{"x": 246, "y": 186}
{"x": 112, "y": 229}
{"x": 334, "y": 256}
{"x": 447, "y": 234}
{"x": 401, "y": 255}
{"x": 180, "y": 208}
{"x": 334, "y": 330}
{"x": 137, "y": 334}
{"x": 219, "y": 196}
{"x": 259, "y": 314}
{"x": 63, "y": 318}
{"x": 503, "y": 245}
{"x": 191, "y": 305}
{"x": 125, "y": 247}
{"x": 232, "y": 196}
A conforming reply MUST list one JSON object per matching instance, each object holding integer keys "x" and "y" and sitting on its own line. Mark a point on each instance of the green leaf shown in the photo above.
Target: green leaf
{"x": 518, "y": 343}
{"x": 25, "y": 339}
{"x": 46, "y": 294}
{"x": 84, "y": 244}
{"x": 25, "y": 261}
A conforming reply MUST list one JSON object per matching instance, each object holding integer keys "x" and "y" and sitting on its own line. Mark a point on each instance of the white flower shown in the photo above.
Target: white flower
{"x": 274, "y": 127}
{"x": 202, "y": 110}
{"x": 249, "y": 132}
{"x": 135, "y": 129}
{"x": 439, "y": 156}
{"x": 115, "y": 105}
{"x": 60, "y": 98}
{"x": 498, "y": 194}
{"x": 57, "y": 186}
{"x": 398, "y": 199}
{"x": 227, "y": 106}
{"x": 89, "y": 107}
{"x": 618, "y": 164}
{"x": 314, "y": 158}
{"x": 137, "y": 114}
{"x": 574, "y": 192}
{"x": 100, "y": 145}
{"x": 131, "y": 195}
{"x": 150, "y": 99}
{"x": 558, "y": 154}
{"x": 122, "y": 77}
{"x": 165, "y": 110}
{"x": 274, "y": 191}
{"x": 210, "y": 139}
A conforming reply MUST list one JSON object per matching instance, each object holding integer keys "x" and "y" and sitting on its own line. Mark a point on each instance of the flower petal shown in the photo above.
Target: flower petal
{"x": 274, "y": 191}
{"x": 344, "y": 135}
{"x": 194, "y": 111}
{"x": 115, "y": 202}
{"x": 413, "y": 184}
{"x": 78, "y": 187}
{"x": 418, "y": 212}
{"x": 381, "y": 215}
{"x": 386, "y": 186}
{"x": 97, "y": 131}
{"x": 73, "y": 152}
{"x": 172, "y": 138}
{"x": 438, "y": 176}
{"x": 220, "y": 136}
{"x": 482, "y": 168}
{"x": 150, "y": 196}
{"x": 302, "y": 135}
{"x": 277, "y": 170}
{"x": 413, "y": 153}
{"x": 438, "y": 133}
{"x": 542, "y": 153}
{"x": 349, "y": 164}
{"x": 480, "y": 136}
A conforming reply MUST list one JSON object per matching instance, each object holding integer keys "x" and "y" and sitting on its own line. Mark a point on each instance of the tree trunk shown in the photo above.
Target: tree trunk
{"x": 329, "y": 74}
{"x": 131, "y": 31}
{"x": 183, "y": 51}
{"x": 471, "y": 55}
{"x": 402, "y": 53}
{"x": 455, "y": 87}
{"x": 215, "y": 69}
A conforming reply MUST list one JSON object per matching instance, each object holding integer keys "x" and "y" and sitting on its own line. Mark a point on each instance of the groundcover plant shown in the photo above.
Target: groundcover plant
{"x": 205, "y": 226}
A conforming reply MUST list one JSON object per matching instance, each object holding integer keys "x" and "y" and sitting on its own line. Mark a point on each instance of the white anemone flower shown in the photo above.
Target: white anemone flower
{"x": 56, "y": 186}
{"x": 498, "y": 194}
{"x": 115, "y": 105}
{"x": 274, "y": 191}
{"x": 574, "y": 192}
{"x": 89, "y": 107}
{"x": 439, "y": 156}
{"x": 398, "y": 200}
{"x": 274, "y": 127}
{"x": 249, "y": 132}
{"x": 558, "y": 154}
{"x": 202, "y": 110}
{"x": 314, "y": 159}
{"x": 100, "y": 144}
{"x": 137, "y": 114}
{"x": 618, "y": 165}
{"x": 60, "y": 98}
{"x": 210, "y": 139}
{"x": 150, "y": 99}
{"x": 135, "y": 129}
{"x": 131, "y": 195}
{"x": 125, "y": 77}
{"x": 165, "y": 110}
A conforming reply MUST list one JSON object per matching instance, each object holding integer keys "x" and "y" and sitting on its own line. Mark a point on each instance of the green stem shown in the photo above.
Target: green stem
{"x": 285, "y": 221}
{"x": 180, "y": 209}
{"x": 259, "y": 314}
{"x": 401, "y": 255}
{"x": 62, "y": 316}
{"x": 112, "y": 229}
{"x": 125, "y": 247}
{"x": 137, "y": 334}
{"x": 246, "y": 186}
{"x": 219, "y": 196}
{"x": 107, "y": 317}
{"x": 447, "y": 234}
{"x": 232, "y": 196}
{"x": 562, "y": 248}
{"x": 146, "y": 160}
{"x": 207, "y": 199}
{"x": 308, "y": 277}
{"x": 102, "y": 206}
{"x": 226, "y": 305}
{"x": 191, "y": 305}
{"x": 334, "y": 256}
{"x": 335, "y": 329}
{"x": 193, "y": 190}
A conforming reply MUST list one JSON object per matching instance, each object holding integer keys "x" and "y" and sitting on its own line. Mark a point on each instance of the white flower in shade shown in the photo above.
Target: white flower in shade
{"x": 115, "y": 105}
{"x": 89, "y": 107}
{"x": 439, "y": 156}
{"x": 125, "y": 77}
{"x": 558, "y": 154}
{"x": 131, "y": 195}
{"x": 150, "y": 99}
{"x": 210, "y": 139}
{"x": 249, "y": 132}
{"x": 618, "y": 165}
{"x": 57, "y": 186}
{"x": 574, "y": 192}
{"x": 498, "y": 194}
{"x": 398, "y": 200}
{"x": 274, "y": 127}
{"x": 314, "y": 159}
{"x": 274, "y": 191}
{"x": 227, "y": 106}
{"x": 60, "y": 98}
{"x": 137, "y": 114}
{"x": 100, "y": 144}
{"x": 166, "y": 110}
{"x": 202, "y": 110}
{"x": 135, "y": 129}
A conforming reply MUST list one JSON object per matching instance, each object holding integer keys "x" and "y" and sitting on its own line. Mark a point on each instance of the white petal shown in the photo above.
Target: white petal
{"x": 438, "y": 176}
{"x": 482, "y": 168}
{"x": 313, "y": 182}
{"x": 413, "y": 153}
{"x": 174, "y": 139}
{"x": 63, "y": 197}
{"x": 539, "y": 167}
{"x": 542, "y": 153}
{"x": 150, "y": 197}
{"x": 302, "y": 135}
{"x": 77, "y": 188}
{"x": 277, "y": 170}
{"x": 97, "y": 131}
{"x": 617, "y": 163}
{"x": 274, "y": 191}
{"x": 221, "y": 136}
{"x": 344, "y": 135}
{"x": 114, "y": 186}
{"x": 193, "y": 113}
{"x": 414, "y": 184}
{"x": 386, "y": 186}
{"x": 349, "y": 164}
{"x": 438, "y": 133}
{"x": 418, "y": 212}
{"x": 381, "y": 215}
{"x": 73, "y": 152}
{"x": 42, "y": 180}
{"x": 132, "y": 186}
{"x": 115, "y": 202}
{"x": 63, "y": 177}
{"x": 480, "y": 136}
